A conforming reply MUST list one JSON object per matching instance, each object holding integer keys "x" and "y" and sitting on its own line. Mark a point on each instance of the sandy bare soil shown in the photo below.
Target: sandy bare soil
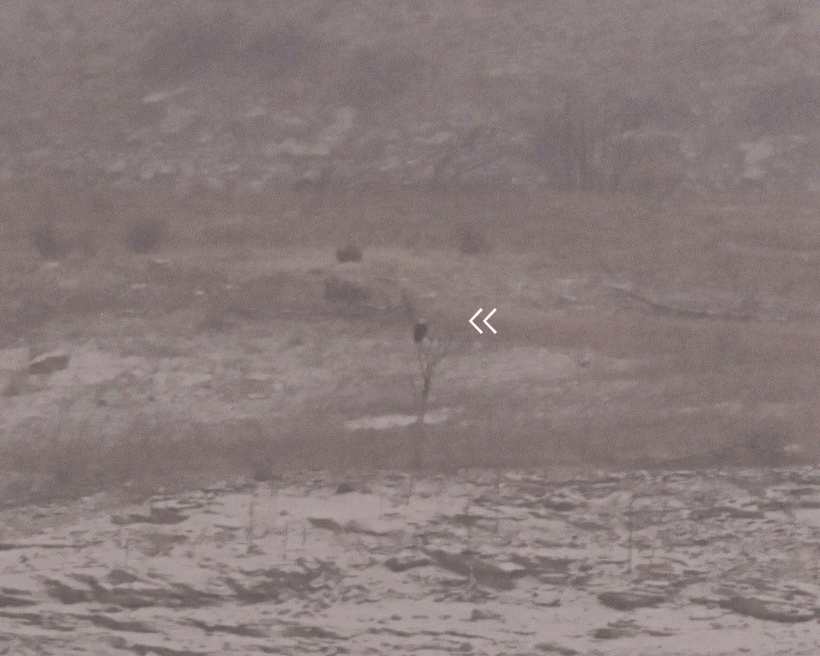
{"x": 482, "y": 562}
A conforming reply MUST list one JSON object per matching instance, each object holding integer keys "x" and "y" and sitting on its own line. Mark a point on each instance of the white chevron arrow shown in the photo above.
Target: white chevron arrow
{"x": 485, "y": 322}
{"x": 480, "y": 310}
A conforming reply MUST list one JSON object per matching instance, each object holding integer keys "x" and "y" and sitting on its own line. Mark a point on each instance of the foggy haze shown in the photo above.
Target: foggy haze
{"x": 360, "y": 327}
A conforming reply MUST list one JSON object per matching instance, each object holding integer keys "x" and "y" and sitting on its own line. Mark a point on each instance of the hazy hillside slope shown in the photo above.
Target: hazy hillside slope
{"x": 635, "y": 95}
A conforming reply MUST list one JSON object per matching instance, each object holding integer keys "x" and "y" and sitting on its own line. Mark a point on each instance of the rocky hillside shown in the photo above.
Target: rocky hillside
{"x": 634, "y": 95}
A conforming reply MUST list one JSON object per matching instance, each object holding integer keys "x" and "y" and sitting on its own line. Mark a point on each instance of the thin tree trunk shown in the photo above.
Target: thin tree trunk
{"x": 421, "y": 429}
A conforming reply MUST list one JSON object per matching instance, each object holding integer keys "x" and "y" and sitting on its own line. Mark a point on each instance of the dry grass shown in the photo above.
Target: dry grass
{"x": 179, "y": 455}
{"x": 262, "y": 249}
{"x": 184, "y": 455}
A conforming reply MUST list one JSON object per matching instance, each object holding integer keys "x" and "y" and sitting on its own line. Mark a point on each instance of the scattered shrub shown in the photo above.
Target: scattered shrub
{"x": 48, "y": 242}
{"x": 144, "y": 235}
{"x": 217, "y": 311}
{"x": 780, "y": 12}
{"x": 349, "y": 253}
{"x": 344, "y": 291}
{"x": 567, "y": 136}
{"x": 189, "y": 45}
{"x": 471, "y": 240}
{"x": 780, "y": 105}
{"x": 579, "y": 143}
{"x": 275, "y": 52}
{"x": 374, "y": 77}
{"x": 768, "y": 444}
{"x": 655, "y": 169}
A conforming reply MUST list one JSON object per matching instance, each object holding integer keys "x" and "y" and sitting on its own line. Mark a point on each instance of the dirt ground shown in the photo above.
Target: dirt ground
{"x": 221, "y": 452}
{"x": 631, "y": 332}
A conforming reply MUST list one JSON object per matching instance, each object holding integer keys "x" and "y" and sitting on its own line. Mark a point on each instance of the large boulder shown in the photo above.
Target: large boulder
{"x": 49, "y": 362}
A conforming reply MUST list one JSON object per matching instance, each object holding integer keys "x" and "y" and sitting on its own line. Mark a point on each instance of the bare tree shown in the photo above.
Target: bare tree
{"x": 429, "y": 354}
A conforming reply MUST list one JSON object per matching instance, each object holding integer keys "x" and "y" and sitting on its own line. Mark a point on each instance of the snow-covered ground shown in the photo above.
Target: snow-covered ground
{"x": 713, "y": 562}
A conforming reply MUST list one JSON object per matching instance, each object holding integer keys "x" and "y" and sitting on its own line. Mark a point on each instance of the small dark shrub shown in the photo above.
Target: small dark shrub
{"x": 263, "y": 472}
{"x": 275, "y": 52}
{"x": 218, "y": 307}
{"x": 768, "y": 445}
{"x": 188, "y": 45}
{"x": 47, "y": 241}
{"x": 349, "y": 253}
{"x": 375, "y": 78}
{"x": 344, "y": 291}
{"x": 563, "y": 142}
{"x": 779, "y": 105}
{"x": 346, "y": 487}
{"x": 783, "y": 11}
{"x": 215, "y": 318}
{"x": 144, "y": 235}
{"x": 471, "y": 240}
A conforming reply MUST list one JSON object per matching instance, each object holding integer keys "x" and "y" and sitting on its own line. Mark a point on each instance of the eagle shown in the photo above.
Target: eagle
{"x": 419, "y": 331}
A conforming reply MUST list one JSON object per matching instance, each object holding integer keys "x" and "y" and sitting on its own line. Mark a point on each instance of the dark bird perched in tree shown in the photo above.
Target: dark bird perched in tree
{"x": 419, "y": 330}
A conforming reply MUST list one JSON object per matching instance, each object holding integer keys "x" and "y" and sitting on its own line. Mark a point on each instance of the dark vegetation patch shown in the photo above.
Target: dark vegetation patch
{"x": 471, "y": 240}
{"x": 48, "y": 242}
{"x": 278, "y": 52}
{"x": 784, "y": 104}
{"x": 189, "y": 44}
{"x": 144, "y": 235}
{"x": 349, "y": 253}
{"x": 373, "y": 78}
{"x": 339, "y": 290}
